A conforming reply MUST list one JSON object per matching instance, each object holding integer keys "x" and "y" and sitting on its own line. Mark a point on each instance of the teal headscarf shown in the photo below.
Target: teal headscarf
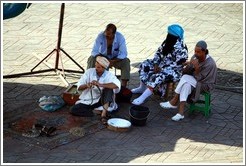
{"x": 176, "y": 30}
{"x": 11, "y": 10}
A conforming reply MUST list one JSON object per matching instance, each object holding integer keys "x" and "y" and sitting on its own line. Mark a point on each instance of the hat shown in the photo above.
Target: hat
{"x": 176, "y": 30}
{"x": 103, "y": 61}
{"x": 202, "y": 44}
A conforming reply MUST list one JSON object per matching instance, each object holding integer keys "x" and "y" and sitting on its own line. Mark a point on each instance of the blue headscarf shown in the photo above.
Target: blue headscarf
{"x": 176, "y": 30}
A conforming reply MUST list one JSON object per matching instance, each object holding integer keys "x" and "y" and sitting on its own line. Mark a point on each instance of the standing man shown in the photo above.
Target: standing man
{"x": 203, "y": 80}
{"x": 111, "y": 44}
{"x": 98, "y": 86}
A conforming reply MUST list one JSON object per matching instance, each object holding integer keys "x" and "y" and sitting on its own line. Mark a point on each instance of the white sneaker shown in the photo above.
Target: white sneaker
{"x": 167, "y": 105}
{"x": 138, "y": 90}
{"x": 137, "y": 102}
{"x": 177, "y": 117}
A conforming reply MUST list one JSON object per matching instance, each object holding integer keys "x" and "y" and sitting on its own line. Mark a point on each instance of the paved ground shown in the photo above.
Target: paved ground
{"x": 196, "y": 139}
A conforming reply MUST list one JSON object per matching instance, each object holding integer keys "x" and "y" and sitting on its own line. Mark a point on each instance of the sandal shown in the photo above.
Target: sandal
{"x": 104, "y": 120}
{"x": 48, "y": 131}
{"x": 51, "y": 132}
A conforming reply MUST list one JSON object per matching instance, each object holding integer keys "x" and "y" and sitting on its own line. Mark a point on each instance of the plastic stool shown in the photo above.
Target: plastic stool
{"x": 202, "y": 105}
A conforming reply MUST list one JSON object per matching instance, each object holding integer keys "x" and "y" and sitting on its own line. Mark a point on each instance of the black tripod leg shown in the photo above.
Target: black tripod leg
{"x": 27, "y": 73}
{"x": 72, "y": 60}
{"x": 43, "y": 59}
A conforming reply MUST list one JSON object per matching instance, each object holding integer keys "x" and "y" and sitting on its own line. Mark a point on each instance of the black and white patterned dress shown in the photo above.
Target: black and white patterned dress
{"x": 170, "y": 64}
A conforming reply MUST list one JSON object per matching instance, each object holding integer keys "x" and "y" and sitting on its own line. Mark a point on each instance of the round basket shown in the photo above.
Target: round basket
{"x": 118, "y": 124}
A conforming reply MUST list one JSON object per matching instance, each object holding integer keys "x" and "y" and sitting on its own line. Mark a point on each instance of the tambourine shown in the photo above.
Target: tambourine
{"x": 118, "y": 124}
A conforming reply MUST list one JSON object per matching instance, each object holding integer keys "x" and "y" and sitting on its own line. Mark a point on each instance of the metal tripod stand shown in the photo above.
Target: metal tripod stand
{"x": 57, "y": 50}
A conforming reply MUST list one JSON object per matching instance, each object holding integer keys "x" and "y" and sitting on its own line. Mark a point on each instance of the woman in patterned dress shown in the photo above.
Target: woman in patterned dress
{"x": 166, "y": 66}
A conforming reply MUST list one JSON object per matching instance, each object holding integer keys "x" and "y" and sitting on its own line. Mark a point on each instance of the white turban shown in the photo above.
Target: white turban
{"x": 103, "y": 61}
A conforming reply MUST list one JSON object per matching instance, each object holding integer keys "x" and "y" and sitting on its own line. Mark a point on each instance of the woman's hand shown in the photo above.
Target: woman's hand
{"x": 157, "y": 69}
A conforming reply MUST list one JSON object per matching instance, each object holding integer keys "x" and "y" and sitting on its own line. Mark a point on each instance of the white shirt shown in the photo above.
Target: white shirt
{"x": 91, "y": 96}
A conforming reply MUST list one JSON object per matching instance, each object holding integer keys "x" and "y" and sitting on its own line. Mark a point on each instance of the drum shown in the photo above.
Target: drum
{"x": 118, "y": 124}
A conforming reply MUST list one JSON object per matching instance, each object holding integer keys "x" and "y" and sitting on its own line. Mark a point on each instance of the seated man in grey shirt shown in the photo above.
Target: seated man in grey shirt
{"x": 202, "y": 80}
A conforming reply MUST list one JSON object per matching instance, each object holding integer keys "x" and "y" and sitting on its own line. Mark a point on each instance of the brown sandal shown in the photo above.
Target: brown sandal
{"x": 104, "y": 120}
{"x": 48, "y": 131}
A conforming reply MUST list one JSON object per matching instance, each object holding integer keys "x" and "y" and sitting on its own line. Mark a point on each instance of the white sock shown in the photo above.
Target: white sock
{"x": 141, "y": 98}
{"x": 142, "y": 87}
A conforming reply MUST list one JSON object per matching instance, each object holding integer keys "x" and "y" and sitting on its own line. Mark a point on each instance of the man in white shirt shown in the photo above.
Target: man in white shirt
{"x": 98, "y": 86}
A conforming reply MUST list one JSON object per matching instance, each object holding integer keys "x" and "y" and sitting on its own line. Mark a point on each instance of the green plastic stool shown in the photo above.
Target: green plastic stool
{"x": 202, "y": 105}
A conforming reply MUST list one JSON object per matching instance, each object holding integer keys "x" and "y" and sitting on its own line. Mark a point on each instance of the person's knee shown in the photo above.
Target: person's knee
{"x": 127, "y": 63}
{"x": 123, "y": 64}
{"x": 125, "y": 68}
{"x": 107, "y": 95}
{"x": 91, "y": 62}
{"x": 74, "y": 109}
{"x": 187, "y": 87}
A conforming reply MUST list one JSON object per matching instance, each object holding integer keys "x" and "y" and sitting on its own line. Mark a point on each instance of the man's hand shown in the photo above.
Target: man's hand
{"x": 95, "y": 83}
{"x": 195, "y": 63}
{"x": 89, "y": 85}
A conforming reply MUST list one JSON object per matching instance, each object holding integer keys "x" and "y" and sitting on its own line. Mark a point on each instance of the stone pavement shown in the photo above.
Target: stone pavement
{"x": 218, "y": 139}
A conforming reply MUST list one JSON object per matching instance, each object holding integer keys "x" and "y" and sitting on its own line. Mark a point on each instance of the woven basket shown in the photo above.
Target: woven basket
{"x": 119, "y": 125}
{"x": 118, "y": 129}
{"x": 71, "y": 95}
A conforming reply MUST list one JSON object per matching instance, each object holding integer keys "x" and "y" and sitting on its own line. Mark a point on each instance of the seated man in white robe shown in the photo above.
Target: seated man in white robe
{"x": 98, "y": 86}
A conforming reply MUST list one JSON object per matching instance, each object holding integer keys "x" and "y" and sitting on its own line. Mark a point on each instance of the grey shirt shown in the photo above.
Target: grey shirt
{"x": 206, "y": 79}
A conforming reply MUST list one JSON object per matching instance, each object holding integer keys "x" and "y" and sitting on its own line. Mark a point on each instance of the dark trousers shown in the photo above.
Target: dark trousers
{"x": 85, "y": 110}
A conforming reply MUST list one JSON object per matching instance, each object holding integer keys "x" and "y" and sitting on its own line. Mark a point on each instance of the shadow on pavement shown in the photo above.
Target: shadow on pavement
{"x": 223, "y": 127}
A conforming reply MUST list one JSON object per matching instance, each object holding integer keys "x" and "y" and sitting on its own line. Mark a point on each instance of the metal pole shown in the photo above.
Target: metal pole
{"x": 59, "y": 35}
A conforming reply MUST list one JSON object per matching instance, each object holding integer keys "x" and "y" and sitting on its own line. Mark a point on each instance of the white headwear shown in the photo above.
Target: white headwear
{"x": 103, "y": 61}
